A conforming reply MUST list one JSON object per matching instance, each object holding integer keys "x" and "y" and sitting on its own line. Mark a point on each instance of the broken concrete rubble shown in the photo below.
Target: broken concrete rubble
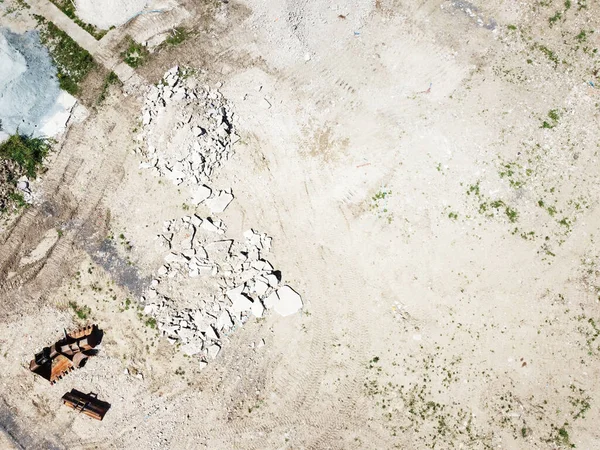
{"x": 202, "y": 135}
{"x": 246, "y": 284}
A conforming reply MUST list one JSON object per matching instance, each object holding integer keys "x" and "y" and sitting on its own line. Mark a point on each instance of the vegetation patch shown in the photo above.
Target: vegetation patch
{"x": 27, "y": 152}
{"x": 19, "y": 155}
{"x": 379, "y": 204}
{"x": 549, "y": 54}
{"x": 110, "y": 79}
{"x": 177, "y": 36}
{"x": 72, "y": 62}
{"x": 135, "y": 54}
{"x": 82, "y": 312}
{"x": 553, "y": 118}
{"x": 68, "y": 7}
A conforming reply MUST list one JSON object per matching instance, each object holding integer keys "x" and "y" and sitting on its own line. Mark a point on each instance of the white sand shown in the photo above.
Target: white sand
{"x": 107, "y": 13}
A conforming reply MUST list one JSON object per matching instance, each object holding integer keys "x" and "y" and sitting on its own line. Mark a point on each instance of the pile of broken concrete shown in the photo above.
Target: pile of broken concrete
{"x": 235, "y": 281}
{"x": 188, "y": 133}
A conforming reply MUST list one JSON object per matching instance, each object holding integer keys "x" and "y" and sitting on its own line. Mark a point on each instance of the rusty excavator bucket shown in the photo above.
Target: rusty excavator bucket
{"x": 69, "y": 353}
{"x": 88, "y": 404}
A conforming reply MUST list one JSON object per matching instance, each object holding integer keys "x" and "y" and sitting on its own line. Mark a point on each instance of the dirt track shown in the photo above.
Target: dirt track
{"x": 430, "y": 320}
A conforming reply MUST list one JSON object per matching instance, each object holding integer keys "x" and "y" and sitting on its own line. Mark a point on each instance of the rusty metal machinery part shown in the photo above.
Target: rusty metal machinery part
{"x": 88, "y": 404}
{"x": 68, "y": 353}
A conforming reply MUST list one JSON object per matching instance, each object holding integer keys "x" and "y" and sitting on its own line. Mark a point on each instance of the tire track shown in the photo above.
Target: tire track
{"x": 146, "y": 26}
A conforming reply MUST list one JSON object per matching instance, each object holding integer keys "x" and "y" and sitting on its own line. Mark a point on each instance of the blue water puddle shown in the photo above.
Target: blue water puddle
{"x": 29, "y": 87}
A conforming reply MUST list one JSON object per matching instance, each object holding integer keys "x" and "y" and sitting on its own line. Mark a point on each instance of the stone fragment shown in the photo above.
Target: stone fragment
{"x": 200, "y": 194}
{"x": 211, "y": 334}
{"x": 271, "y": 300}
{"x": 209, "y": 226}
{"x": 192, "y": 348}
{"x": 257, "y": 309}
{"x": 224, "y": 321}
{"x": 240, "y": 302}
{"x": 220, "y": 202}
{"x": 272, "y": 280}
{"x": 289, "y": 302}
{"x": 172, "y": 257}
{"x": 260, "y": 287}
{"x": 214, "y": 350}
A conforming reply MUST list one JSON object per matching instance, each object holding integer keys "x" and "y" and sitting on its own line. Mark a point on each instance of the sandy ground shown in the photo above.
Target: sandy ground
{"x": 428, "y": 171}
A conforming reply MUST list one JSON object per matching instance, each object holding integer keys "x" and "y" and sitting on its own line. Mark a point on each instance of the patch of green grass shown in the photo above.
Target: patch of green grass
{"x": 511, "y": 27}
{"x": 511, "y": 213}
{"x": 150, "y": 322}
{"x": 554, "y": 117}
{"x": 562, "y": 437}
{"x": 80, "y": 311}
{"x": 555, "y": 18}
{"x": 72, "y": 62}
{"x": 136, "y": 54}
{"x": 474, "y": 189}
{"x": 582, "y": 36}
{"x": 529, "y": 236}
{"x": 565, "y": 222}
{"x": 110, "y": 79}
{"x": 567, "y": 5}
{"x": 549, "y": 54}
{"x": 177, "y": 36}
{"x": 17, "y": 199}
{"x": 68, "y": 7}
{"x": 27, "y": 152}
{"x": 381, "y": 195}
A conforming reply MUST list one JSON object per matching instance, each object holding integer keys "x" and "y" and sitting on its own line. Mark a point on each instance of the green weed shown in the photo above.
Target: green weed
{"x": 110, "y": 79}
{"x": 80, "y": 311}
{"x": 136, "y": 54}
{"x": 72, "y": 62}
{"x": 68, "y": 7}
{"x": 177, "y": 36}
{"x": 27, "y": 152}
